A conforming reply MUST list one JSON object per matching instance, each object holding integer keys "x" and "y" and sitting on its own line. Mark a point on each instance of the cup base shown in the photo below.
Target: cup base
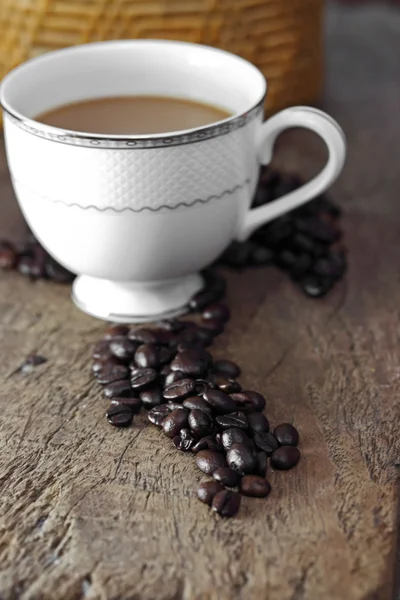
{"x": 132, "y": 302}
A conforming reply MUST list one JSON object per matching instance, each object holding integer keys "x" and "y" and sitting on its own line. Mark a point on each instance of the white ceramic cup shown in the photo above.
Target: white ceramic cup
{"x": 137, "y": 217}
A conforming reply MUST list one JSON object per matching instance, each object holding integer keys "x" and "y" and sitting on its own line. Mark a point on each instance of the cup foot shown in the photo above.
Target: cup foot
{"x": 128, "y": 302}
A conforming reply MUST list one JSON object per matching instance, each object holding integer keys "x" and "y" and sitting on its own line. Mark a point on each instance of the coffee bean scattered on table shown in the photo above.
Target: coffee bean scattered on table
{"x": 303, "y": 243}
{"x": 32, "y": 361}
{"x": 254, "y": 485}
{"x": 207, "y": 490}
{"x": 285, "y": 457}
{"x": 226, "y": 503}
{"x": 32, "y": 261}
{"x": 286, "y": 434}
{"x": 196, "y": 401}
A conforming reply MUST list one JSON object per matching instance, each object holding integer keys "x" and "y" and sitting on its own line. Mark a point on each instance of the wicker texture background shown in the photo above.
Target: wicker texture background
{"x": 282, "y": 37}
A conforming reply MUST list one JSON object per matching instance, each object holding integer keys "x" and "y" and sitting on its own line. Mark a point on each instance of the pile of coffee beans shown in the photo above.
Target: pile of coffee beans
{"x": 32, "y": 261}
{"x": 305, "y": 243}
{"x": 197, "y": 401}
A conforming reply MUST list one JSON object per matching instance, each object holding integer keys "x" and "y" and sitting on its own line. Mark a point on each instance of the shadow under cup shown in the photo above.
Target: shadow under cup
{"x": 136, "y": 217}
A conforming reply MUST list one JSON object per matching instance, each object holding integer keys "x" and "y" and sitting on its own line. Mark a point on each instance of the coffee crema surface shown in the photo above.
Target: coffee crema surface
{"x": 133, "y": 115}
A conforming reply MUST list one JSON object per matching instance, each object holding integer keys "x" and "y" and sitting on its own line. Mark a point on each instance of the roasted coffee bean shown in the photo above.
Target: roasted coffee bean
{"x": 266, "y": 441}
{"x": 142, "y": 336}
{"x": 151, "y": 396}
{"x": 248, "y": 401}
{"x": 261, "y": 256}
{"x": 157, "y": 414}
{"x": 316, "y": 287}
{"x": 328, "y": 206}
{"x": 34, "y": 360}
{"x": 276, "y": 232}
{"x": 174, "y": 405}
{"x": 216, "y": 312}
{"x": 147, "y": 356}
{"x": 38, "y": 263}
{"x": 209, "y": 330}
{"x": 262, "y": 463}
{"x": 8, "y": 256}
{"x": 111, "y": 373}
{"x": 183, "y": 445}
{"x": 172, "y": 325}
{"x": 226, "y": 503}
{"x": 303, "y": 242}
{"x": 26, "y": 265}
{"x": 135, "y": 404}
{"x": 206, "y": 336}
{"x": 197, "y": 403}
{"x": 235, "y": 419}
{"x": 209, "y": 461}
{"x": 165, "y": 355}
{"x": 99, "y": 364}
{"x": 174, "y": 422}
{"x": 187, "y": 339}
{"x": 227, "y": 368}
{"x": 319, "y": 250}
{"x": 200, "y": 423}
{"x": 142, "y": 378}
{"x": 184, "y": 441}
{"x": 101, "y": 350}
{"x": 118, "y": 389}
{"x": 332, "y": 266}
{"x": 286, "y": 434}
{"x": 319, "y": 230}
{"x": 219, "y": 401}
{"x": 234, "y": 436}
{"x": 209, "y": 442}
{"x": 285, "y": 259}
{"x": 202, "y": 385}
{"x": 215, "y": 282}
{"x": 191, "y": 362}
{"x": 207, "y": 490}
{"x": 227, "y": 476}
{"x": 205, "y": 297}
{"x": 165, "y": 338}
{"x": 30, "y": 362}
{"x": 173, "y": 376}
{"x": 241, "y": 459}
{"x": 183, "y": 346}
{"x": 301, "y": 266}
{"x": 229, "y": 386}
{"x": 258, "y": 422}
{"x": 55, "y": 272}
{"x": 115, "y": 331}
{"x": 122, "y": 347}
{"x": 237, "y": 254}
{"x": 285, "y": 458}
{"x": 253, "y": 485}
{"x": 119, "y": 415}
{"x": 181, "y": 389}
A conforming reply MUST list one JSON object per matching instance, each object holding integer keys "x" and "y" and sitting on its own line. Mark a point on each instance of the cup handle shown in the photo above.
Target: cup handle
{"x": 333, "y": 136}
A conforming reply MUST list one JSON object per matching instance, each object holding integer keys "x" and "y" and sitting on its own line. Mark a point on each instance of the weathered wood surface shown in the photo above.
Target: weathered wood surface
{"x": 91, "y": 512}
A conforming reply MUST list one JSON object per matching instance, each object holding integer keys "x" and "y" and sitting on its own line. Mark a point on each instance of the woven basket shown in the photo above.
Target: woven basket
{"x": 282, "y": 37}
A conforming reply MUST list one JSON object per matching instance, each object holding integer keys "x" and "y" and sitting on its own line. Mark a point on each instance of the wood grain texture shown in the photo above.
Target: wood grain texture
{"x": 87, "y": 511}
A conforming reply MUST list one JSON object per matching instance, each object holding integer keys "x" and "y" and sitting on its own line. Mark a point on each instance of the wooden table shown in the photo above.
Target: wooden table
{"x": 88, "y": 511}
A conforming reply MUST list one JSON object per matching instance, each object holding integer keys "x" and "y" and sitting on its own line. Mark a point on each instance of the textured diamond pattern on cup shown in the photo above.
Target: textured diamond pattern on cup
{"x": 136, "y": 179}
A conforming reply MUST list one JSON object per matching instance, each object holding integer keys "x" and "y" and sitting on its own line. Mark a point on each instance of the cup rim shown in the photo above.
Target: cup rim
{"x": 135, "y": 140}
